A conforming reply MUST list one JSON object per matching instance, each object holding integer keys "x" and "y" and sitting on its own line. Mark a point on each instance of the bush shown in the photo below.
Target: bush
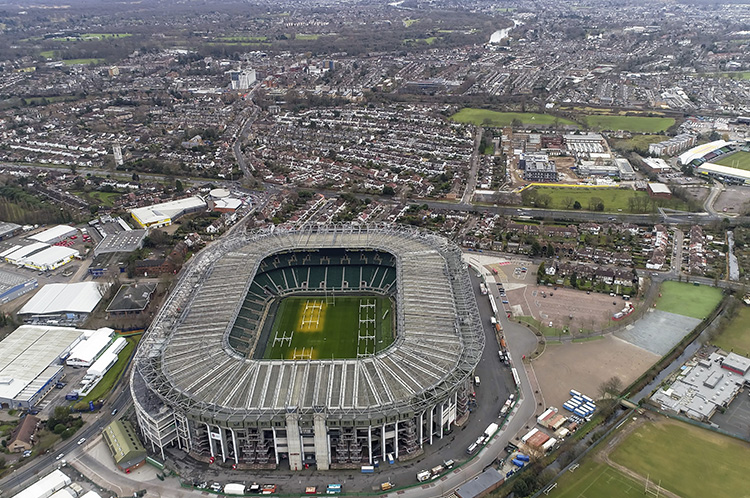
{"x": 59, "y": 428}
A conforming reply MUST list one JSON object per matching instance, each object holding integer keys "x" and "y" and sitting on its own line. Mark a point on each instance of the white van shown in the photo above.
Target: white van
{"x": 476, "y": 380}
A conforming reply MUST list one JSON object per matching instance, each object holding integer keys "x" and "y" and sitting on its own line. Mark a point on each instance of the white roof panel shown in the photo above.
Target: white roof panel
{"x": 81, "y": 297}
{"x": 51, "y": 255}
{"x": 21, "y": 253}
{"x": 159, "y": 212}
{"x": 55, "y": 233}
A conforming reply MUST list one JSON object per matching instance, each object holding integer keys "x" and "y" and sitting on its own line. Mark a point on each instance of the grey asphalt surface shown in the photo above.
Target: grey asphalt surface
{"x": 658, "y": 331}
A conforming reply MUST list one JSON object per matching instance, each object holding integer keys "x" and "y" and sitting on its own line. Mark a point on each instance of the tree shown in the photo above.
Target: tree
{"x": 568, "y": 202}
{"x": 610, "y": 388}
{"x": 577, "y": 205}
{"x": 574, "y": 280}
{"x": 388, "y": 190}
{"x": 178, "y": 186}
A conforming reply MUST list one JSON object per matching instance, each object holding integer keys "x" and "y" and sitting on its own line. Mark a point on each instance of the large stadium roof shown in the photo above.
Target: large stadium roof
{"x": 718, "y": 169}
{"x": 81, "y": 297}
{"x": 701, "y": 150}
{"x": 28, "y": 351}
{"x": 439, "y": 334}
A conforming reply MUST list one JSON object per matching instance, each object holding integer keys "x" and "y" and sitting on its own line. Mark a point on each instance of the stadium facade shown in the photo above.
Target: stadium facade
{"x": 197, "y": 385}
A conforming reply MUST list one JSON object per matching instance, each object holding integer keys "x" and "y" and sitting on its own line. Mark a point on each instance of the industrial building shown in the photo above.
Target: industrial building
{"x": 656, "y": 165}
{"x": 62, "y": 304}
{"x": 31, "y": 361}
{"x": 121, "y": 242}
{"x": 13, "y": 286}
{"x": 46, "y": 486}
{"x": 705, "y": 385}
{"x": 91, "y": 345}
{"x": 658, "y": 190}
{"x": 724, "y": 173}
{"x": 39, "y": 256}
{"x": 537, "y": 168}
{"x": 124, "y": 446}
{"x": 199, "y": 388}
{"x": 160, "y": 215}
{"x": 8, "y": 230}
{"x": 54, "y": 234}
{"x": 242, "y": 79}
{"x": 482, "y": 485}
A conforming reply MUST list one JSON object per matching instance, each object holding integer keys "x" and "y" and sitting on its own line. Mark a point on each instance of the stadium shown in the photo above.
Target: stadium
{"x": 237, "y": 365}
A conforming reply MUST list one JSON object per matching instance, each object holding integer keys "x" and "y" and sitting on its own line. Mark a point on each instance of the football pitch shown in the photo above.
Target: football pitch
{"x": 596, "y": 480}
{"x": 739, "y": 159}
{"x": 317, "y": 327}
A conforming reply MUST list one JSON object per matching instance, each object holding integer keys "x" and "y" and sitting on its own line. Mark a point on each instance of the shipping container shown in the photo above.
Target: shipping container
{"x": 368, "y": 469}
{"x": 517, "y": 463}
{"x": 522, "y": 457}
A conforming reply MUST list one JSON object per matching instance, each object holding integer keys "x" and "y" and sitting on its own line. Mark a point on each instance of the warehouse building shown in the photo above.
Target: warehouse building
{"x": 31, "y": 362}
{"x": 54, "y": 234}
{"x": 39, "y": 256}
{"x": 658, "y": 190}
{"x": 13, "y": 286}
{"x": 482, "y": 485}
{"x": 160, "y": 215}
{"x": 52, "y": 482}
{"x": 8, "y": 230}
{"x": 62, "y": 304}
{"x": 124, "y": 446}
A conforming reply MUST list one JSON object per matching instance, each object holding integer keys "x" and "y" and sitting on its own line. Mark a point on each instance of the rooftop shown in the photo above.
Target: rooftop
{"x": 132, "y": 297}
{"x": 81, "y": 297}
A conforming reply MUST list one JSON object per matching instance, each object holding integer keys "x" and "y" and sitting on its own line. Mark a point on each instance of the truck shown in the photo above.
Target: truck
{"x": 311, "y": 490}
{"x": 493, "y": 320}
{"x": 423, "y": 475}
{"x": 368, "y": 469}
{"x": 333, "y": 489}
{"x": 436, "y": 471}
{"x": 386, "y": 486}
{"x": 268, "y": 489}
{"x": 483, "y": 288}
{"x": 498, "y": 328}
{"x": 490, "y": 430}
{"x": 472, "y": 448}
{"x": 233, "y": 488}
{"x": 448, "y": 464}
{"x": 71, "y": 396}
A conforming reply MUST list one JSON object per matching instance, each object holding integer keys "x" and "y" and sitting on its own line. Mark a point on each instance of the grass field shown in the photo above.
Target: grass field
{"x": 596, "y": 480}
{"x": 689, "y": 461}
{"x": 739, "y": 159}
{"x": 736, "y": 336}
{"x": 320, "y": 331}
{"x": 637, "y": 142}
{"x": 614, "y": 199}
{"x": 75, "y": 62}
{"x": 686, "y": 299}
{"x": 634, "y": 124}
{"x": 241, "y": 38}
{"x": 106, "y": 199}
{"x": 736, "y": 75}
{"x": 485, "y": 117}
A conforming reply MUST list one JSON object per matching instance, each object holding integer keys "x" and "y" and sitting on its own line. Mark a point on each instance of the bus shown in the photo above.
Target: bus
{"x": 368, "y": 469}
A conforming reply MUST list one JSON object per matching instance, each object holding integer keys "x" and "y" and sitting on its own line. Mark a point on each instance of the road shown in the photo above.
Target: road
{"x": 43, "y": 464}
{"x": 471, "y": 181}
{"x": 708, "y": 205}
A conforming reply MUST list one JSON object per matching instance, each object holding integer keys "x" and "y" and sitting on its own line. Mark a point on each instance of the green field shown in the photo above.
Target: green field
{"x": 736, "y": 75}
{"x": 241, "y": 38}
{"x": 91, "y": 36}
{"x": 736, "y": 336}
{"x": 75, "y": 62}
{"x": 485, "y": 117}
{"x": 739, "y": 159}
{"x": 596, "y": 480}
{"x": 614, "y": 199}
{"x": 634, "y": 124}
{"x": 637, "y": 142}
{"x": 322, "y": 330}
{"x": 687, "y": 299}
{"x": 689, "y": 461}
{"x": 304, "y": 36}
{"x": 108, "y": 381}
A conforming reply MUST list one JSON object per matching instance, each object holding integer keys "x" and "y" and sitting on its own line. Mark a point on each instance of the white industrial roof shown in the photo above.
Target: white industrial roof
{"x": 50, "y": 256}
{"x": 43, "y": 487}
{"x": 21, "y": 253}
{"x": 227, "y": 203}
{"x": 723, "y": 170}
{"x": 86, "y": 351}
{"x": 656, "y": 163}
{"x": 28, "y": 351}
{"x": 659, "y": 188}
{"x": 153, "y": 214}
{"x": 81, "y": 297}
{"x": 54, "y": 234}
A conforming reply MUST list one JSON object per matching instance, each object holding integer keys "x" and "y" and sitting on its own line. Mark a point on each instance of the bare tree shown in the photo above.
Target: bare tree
{"x": 610, "y": 388}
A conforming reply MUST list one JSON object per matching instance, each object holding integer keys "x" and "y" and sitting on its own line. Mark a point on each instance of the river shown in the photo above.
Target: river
{"x": 502, "y": 34}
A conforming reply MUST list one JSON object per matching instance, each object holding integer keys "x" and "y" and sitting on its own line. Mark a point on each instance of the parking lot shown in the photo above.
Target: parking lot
{"x": 736, "y": 419}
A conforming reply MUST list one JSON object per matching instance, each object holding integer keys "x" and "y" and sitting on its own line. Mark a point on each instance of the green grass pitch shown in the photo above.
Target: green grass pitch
{"x": 687, "y": 299}
{"x": 325, "y": 330}
{"x": 736, "y": 336}
{"x": 739, "y": 160}
{"x": 689, "y": 461}
{"x": 596, "y": 480}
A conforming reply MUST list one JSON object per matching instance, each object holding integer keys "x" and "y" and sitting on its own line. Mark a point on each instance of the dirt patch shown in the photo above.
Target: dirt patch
{"x": 566, "y": 308}
{"x": 584, "y": 366}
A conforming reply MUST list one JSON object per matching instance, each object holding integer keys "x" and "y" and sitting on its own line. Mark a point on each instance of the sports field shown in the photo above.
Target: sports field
{"x": 485, "y": 117}
{"x": 689, "y": 461}
{"x": 596, "y": 480}
{"x": 739, "y": 159}
{"x": 613, "y": 198}
{"x": 634, "y": 124}
{"x": 686, "y": 299}
{"x": 313, "y": 327}
{"x": 736, "y": 336}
